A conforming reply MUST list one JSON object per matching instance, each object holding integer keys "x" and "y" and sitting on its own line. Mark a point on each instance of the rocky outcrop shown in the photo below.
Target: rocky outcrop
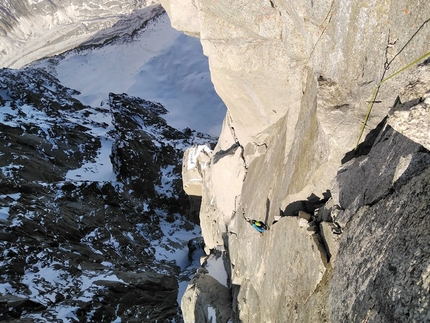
{"x": 411, "y": 117}
{"x": 297, "y": 79}
{"x": 194, "y": 164}
{"x": 381, "y": 272}
{"x": 206, "y": 299}
{"x": 90, "y": 200}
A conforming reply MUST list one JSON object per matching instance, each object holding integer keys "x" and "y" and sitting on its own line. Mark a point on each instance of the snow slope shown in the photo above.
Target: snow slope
{"x": 157, "y": 63}
{"x": 151, "y": 61}
{"x": 31, "y": 29}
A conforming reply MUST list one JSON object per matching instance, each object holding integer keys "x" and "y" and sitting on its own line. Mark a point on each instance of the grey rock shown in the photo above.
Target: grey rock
{"x": 297, "y": 78}
{"x": 330, "y": 238}
{"x": 272, "y": 274}
{"x": 381, "y": 272}
{"x": 196, "y": 160}
{"x": 206, "y": 300}
{"x": 412, "y": 118}
{"x": 305, "y": 216}
{"x": 12, "y": 306}
{"x": 394, "y": 160}
{"x": 304, "y": 74}
{"x": 324, "y": 213}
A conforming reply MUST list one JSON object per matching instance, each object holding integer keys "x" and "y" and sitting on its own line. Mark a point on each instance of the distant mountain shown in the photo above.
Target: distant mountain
{"x": 92, "y": 224}
{"x": 152, "y": 61}
{"x": 104, "y": 47}
{"x": 31, "y": 29}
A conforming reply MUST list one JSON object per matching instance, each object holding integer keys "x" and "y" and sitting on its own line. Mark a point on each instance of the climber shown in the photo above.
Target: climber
{"x": 260, "y": 226}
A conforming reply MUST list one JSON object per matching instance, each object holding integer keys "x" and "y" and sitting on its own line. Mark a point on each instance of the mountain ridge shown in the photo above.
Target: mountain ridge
{"x": 30, "y": 25}
{"x": 83, "y": 234}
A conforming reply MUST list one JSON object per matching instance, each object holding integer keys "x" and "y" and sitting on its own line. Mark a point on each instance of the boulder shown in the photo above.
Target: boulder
{"x": 196, "y": 160}
{"x": 206, "y": 300}
{"x": 412, "y": 119}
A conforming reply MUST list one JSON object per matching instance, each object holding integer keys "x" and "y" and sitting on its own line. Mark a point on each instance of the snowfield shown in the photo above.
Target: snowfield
{"x": 158, "y": 63}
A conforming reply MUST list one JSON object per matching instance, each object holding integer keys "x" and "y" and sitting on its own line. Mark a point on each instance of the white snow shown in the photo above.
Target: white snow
{"x": 47, "y": 29}
{"x": 98, "y": 170}
{"x": 4, "y": 210}
{"x": 160, "y": 65}
{"x": 173, "y": 246}
{"x": 216, "y": 269}
{"x": 211, "y": 315}
{"x": 194, "y": 153}
{"x": 4, "y": 213}
{"x": 46, "y": 275}
{"x": 163, "y": 65}
{"x": 167, "y": 175}
{"x": 66, "y": 314}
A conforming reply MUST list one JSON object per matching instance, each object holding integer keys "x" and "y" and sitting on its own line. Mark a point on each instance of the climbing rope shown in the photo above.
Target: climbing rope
{"x": 387, "y": 65}
{"x": 375, "y": 93}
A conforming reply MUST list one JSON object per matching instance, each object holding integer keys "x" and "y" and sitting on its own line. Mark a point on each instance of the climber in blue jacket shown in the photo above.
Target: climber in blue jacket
{"x": 260, "y": 226}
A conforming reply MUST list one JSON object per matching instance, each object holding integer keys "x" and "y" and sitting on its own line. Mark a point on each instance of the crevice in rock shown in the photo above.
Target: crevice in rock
{"x": 364, "y": 147}
{"x": 309, "y": 205}
{"x": 388, "y": 63}
{"x": 328, "y": 16}
{"x": 230, "y": 125}
{"x": 316, "y": 213}
{"x": 222, "y": 153}
{"x": 426, "y": 62}
{"x": 232, "y": 149}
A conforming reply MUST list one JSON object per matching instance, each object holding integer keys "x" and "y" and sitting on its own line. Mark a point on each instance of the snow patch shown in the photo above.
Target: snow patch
{"x": 215, "y": 267}
{"x": 98, "y": 170}
{"x": 194, "y": 153}
{"x": 160, "y": 65}
{"x": 211, "y": 314}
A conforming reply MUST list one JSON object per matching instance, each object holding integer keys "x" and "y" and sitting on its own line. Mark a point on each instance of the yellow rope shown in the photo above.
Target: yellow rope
{"x": 375, "y": 93}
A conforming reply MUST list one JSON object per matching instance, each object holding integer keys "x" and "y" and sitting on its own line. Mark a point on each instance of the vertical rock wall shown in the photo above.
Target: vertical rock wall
{"x": 297, "y": 78}
{"x": 304, "y": 72}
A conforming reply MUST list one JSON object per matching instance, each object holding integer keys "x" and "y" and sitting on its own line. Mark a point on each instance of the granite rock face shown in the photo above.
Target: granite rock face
{"x": 305, "y": 71}
{"x": 297, "y": 78}
{"x": 382, "y": 266}
{"x": 206, "y": 300}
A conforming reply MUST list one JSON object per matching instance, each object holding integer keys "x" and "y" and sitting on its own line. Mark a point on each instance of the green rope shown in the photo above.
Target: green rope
{"x": 406, "y": 67}
{"x": 375, "y": 93}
